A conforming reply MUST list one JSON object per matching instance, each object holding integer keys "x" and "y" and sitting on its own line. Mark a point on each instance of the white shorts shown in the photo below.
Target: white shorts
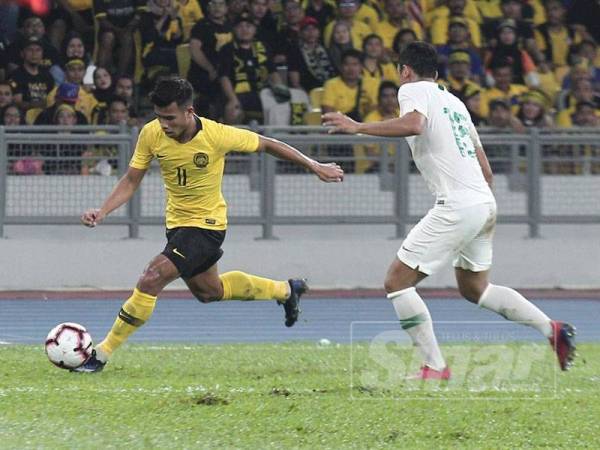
{"x": 464, "y": 234}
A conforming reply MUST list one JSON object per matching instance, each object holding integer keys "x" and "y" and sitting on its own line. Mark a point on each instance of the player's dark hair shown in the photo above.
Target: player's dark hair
{"x": 172, "y": 89}
{"x": 421, "y": 57}
{"x": 386, "y": 84}
{"x": 351, "y": 53}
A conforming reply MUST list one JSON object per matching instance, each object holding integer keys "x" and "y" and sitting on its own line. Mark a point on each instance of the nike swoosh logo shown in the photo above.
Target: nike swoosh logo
{"x": 177, "y": 253}
{"x": 409, "y": 251}
{"x": 161, "y": 156}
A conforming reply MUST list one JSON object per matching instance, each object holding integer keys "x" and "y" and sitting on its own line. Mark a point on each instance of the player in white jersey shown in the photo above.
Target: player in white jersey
{"x": 448, "y": 153}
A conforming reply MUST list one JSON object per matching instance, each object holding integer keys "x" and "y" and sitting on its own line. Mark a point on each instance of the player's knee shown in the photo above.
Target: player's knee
{"x": 151, "y": 281}
{"x": 208, "y": 296}
{"x": 393, "y": 284}
{"x": 471, "y": 291}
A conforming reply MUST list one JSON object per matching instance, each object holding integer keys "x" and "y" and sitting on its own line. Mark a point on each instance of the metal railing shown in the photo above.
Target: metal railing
{"x": 541, "y": 178}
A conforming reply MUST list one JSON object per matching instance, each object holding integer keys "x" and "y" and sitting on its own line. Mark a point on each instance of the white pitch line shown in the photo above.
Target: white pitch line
{"x": 5, "y": 343}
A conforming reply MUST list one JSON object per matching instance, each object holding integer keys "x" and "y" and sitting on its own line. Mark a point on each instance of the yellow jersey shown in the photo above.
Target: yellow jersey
{"x": 193, "y": 171}
{"x": 341, "y": 97}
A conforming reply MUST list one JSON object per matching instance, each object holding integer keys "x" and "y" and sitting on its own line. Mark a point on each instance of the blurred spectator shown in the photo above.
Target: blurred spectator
{"x": 440, "y": 22}
{"x": 507, "y": 51}
{"x": 63, "y": 159}
{"x": 348, "y": 94}
{"x": 118, "y": 111}
{"x": 397, "y": 18}
{"x": 501, "y": 118}
{"x": 444, "y": 9}
{"x": 207, "y": 38}
{"x": 6, "y": 94}
{"x": 190, "y": 13}
{"x": 458, "y": 39}
{"x": 288, "y": 33}
{"x": 587, "y": 53}
{"x": 124, "y": 91}
{"x": 266, "y": 25}
{"x": 404, "y": 37}
{"x": 585, "y": 13}
{"x": 375, "y": 69}
{"x": 23, "y": 159}
{"x": 162, "y": 30}
{"x": 533, "y": 111}
{"x": 284, "y": 106}
{"x": 33, "y": 29}
{"x": 503, "y": 87}
{"x": 74, "y": 72}
{"x": 75, "y": 15}
{"x": 9, "y": 14}
{"x": 472, "y": 100}
{"x": 387, "y": 108}
{"x": 586, "y": 114}
{"x": 31, "y": 82}
{"x": 308, "y": 62}
{"x": 513, "y": 10}
{"x": 341, "y": 41}
{"x": 12, "y": 116}
{"x": 103, "y": 85}
{"x": 322, "y": 10}
{"x": 117, "y": 21}
{"x": 103, "y": 92}
{"x": 367, "y": 14}
{"x": 245, "y": 68}
{"x": 103, "y": 159}
{"x": 459, "y": 73}
{"x": 66, "y": 94}
{"x": 578, "y": 70}
{"x": 74, "y": 47}
{"x": 582, "y": 92}
{"x": 347, "y": 10}
{"x": 554, "y": 37}
{"x": 237, "y": 7}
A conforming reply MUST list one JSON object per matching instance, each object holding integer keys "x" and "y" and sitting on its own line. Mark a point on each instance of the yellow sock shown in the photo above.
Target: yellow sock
{"x": 242, "y": 286}
{"x": 134, "y": 313}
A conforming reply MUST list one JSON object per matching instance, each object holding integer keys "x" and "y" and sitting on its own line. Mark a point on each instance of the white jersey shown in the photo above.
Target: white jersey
{"x": 445, "y": 152}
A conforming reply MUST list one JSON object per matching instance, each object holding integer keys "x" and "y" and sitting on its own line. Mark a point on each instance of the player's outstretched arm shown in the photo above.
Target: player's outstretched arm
{"x": 120, "y": 195}
{"x": 330, "y": 173}
{"x": 410, "y": 124}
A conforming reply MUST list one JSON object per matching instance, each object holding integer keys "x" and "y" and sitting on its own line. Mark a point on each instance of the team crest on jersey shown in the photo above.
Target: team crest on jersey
{"x": 201, "y": 160}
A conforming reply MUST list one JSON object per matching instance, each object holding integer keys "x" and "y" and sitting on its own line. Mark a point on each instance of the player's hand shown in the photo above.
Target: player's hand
{"x": 339, "y": 123}
{"x": 329, "y": 173}
{"x": 92, "y": 217}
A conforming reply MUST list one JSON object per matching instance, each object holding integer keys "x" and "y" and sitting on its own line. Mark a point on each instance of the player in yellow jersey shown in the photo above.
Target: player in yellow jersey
{"x": 191, "y": 152}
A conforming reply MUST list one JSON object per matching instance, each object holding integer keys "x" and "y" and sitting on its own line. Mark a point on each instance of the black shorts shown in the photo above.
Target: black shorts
{"x": 193, "y": 250}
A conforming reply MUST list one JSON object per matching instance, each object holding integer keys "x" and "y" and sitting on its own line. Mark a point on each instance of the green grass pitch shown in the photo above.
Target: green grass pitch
{"x": 298, "y": 396}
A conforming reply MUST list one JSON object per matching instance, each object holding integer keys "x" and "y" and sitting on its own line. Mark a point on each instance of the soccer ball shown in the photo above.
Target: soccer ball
{"x": 68, "y": 345}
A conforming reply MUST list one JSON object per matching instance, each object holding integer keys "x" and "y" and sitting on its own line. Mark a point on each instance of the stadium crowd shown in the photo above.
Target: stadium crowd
{"x": 515, "y": 63}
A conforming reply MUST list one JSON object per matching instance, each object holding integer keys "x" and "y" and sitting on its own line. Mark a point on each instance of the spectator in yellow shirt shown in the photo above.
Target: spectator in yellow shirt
{"x": 397, "y": 18}
{"x": 74, "y": 72}
{"x": 440, "y": 23}
{"x": 375, "y": 69}
{"x": 503, "y": 88}
{"x": 347, "y": 10}
{"x": 459, "y": 73}
{"x": 387, "y": 108}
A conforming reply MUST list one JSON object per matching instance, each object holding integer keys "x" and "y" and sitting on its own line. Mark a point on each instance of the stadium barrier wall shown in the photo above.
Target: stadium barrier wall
{"x": 340, "y": 236}
{"x": 540, "y": 178}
